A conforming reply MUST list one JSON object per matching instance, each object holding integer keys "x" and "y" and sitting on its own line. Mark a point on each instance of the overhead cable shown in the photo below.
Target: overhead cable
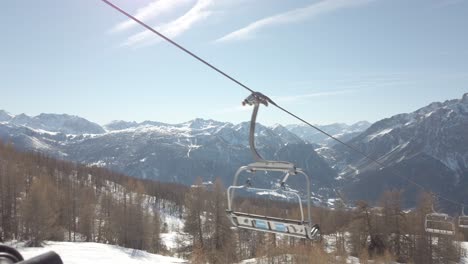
{"x": 353, "y": 148}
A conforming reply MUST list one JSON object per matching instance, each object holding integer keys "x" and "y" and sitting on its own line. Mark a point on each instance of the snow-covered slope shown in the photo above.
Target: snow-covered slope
{"x": 339, "y": 130}
{"x": 438, "y": 130}
{"x": 84, "y": 253}
{"x": 424, "y": 145}
{"x": 464, "y": 258}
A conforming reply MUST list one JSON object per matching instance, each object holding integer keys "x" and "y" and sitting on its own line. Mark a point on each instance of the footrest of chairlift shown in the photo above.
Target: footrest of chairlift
{"x": 273, "y": 224}
{"x": 282, "y": 166}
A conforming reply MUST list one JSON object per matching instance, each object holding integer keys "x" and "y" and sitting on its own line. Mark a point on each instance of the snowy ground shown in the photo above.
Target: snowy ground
{"x": 174, "y": 237}
{"x": 464, "y": 253}
{"x": 82, "y": 252}
{"x": 349, "y": 260}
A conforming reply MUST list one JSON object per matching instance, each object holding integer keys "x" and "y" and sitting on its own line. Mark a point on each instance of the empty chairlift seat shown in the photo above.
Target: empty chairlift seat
{"x": 463, "y": 221}
{"x": 301, "y": 228}
{"x": 298, "y": 228}
{"x": 438, "y": 223}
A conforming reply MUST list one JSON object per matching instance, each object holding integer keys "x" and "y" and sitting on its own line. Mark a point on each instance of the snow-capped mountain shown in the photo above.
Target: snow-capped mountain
{"x": 5, "y": 116}
{"x": 66, "y": 124}
{"x": 429, "y": 145}
{"x": 339, "y": 130}
{"x": 169, "y": 152}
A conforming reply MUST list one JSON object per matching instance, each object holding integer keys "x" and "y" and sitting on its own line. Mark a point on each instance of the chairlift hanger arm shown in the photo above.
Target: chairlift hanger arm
{"x": 256, "y": 99}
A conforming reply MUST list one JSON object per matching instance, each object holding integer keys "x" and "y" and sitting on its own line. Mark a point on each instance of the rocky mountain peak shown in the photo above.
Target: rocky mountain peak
{"x": 465, "y": 98}
{"x": 5, "y": 116}
{"x": 57, "y": 123}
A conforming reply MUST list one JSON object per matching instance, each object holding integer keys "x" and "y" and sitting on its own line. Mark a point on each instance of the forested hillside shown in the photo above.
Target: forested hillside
{"x": 46, "y": 199}
{"x": 42, "y": 198}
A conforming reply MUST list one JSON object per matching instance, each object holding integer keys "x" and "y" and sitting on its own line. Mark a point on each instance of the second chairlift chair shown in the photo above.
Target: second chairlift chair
{"x": 303, "y": 227}
{"x": 463, "y": 219}
{"x": 439, "y": 223}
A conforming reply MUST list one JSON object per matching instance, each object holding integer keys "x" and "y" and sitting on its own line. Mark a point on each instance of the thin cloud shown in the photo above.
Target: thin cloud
{"x": 288, "y": 99}
{"x": 293, "y": 16}
{"x": 302, "y": 97}
{"x": 445, "y": 3}
{"x": 200, "y": 11}
{"x": 152, "y": 10}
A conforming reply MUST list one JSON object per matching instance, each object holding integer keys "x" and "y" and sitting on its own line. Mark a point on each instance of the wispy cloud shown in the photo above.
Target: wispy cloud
{"x": 293, "y": 16}
{"x": 303, "y": 97}
{"x": 199, "y": 11}
{"x": 152, "y": 10}
{"x": 445, "y": 3}
{"x": 288, "y": 99}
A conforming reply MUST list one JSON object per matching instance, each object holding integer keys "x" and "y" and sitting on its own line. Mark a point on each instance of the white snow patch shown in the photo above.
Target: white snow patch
{"x": 38, "y": 144}
{"x": 356, "y": 170}
{"x": 429, "y": 114}
{"x": 174, "y": 240}
{"x": 42, "y": 131}
{"x": 191, "y": 147}
{"x": 464, "y": 253}
{"x": 99, "y": 163}
{"x": 451, "y": 162}
{"x": 82, "y": 252}
{"x": 272, "y": 193}
{"x": 381, "y": 133}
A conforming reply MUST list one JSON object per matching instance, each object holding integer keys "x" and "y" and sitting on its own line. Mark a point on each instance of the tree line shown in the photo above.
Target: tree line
{"x": 384, "y": 233}
{"x": 42, "y": 198}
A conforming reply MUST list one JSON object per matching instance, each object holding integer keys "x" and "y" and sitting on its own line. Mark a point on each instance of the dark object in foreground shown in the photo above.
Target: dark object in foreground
{"x": 10, "y": 255}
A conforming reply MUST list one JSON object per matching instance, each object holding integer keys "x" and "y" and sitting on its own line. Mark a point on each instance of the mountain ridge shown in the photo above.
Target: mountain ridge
{"x": 173, "y": 152}
{"x": 433, "y": 136}
{"x": 411, "y": 144}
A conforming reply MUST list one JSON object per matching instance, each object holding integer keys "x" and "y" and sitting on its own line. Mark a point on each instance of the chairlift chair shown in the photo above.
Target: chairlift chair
{"x": 463, "y": 219}
{"x": 303, "y": 227}
{"x": 439, "y": 223}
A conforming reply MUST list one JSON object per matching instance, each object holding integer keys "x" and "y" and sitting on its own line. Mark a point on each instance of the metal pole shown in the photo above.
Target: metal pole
{"x": 234, "y": 184}
{"x": 253, "y": 120}
{"x": 308, "y": 195}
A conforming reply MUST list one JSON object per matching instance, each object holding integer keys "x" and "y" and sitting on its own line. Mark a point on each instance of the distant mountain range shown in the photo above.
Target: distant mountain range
{"x": 428, "y": 146}
{"x": 169, "y": 152}
{"x": 65, "y": 124}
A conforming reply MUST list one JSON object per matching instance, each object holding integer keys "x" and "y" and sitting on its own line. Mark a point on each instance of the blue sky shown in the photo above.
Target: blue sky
{"x": 328, "y": 61}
